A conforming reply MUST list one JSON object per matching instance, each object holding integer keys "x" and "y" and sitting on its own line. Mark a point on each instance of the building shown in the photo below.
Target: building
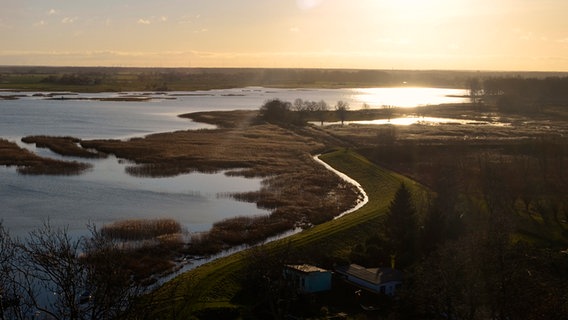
{"x": 307, "y": 278}
{"x": 377, "y": 280}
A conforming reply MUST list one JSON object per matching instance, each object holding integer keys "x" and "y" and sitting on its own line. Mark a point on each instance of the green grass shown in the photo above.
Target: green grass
{"x": 214, "y": 285}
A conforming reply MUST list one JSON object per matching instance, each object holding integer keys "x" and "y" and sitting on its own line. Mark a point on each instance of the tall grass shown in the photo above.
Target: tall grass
{"x": 141, "y": 229}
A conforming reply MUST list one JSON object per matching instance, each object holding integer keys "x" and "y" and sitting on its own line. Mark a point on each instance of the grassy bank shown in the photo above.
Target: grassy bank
{"x": 216, "y": 285}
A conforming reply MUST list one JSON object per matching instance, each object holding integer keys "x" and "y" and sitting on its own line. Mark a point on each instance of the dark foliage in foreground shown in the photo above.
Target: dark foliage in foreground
{"x": 52, "y": 275}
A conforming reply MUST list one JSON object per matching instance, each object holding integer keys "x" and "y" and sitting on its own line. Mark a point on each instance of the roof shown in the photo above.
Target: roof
{"x": 306, "y": 268}
{"x": 371, "y": 275}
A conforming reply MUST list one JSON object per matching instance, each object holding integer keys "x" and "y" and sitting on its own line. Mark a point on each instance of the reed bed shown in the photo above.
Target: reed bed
{"x": 29, "y": 163}
{"x": 141, "y": 229}
{"x": 295, "y": 188}
{"x": 65, "y": 146}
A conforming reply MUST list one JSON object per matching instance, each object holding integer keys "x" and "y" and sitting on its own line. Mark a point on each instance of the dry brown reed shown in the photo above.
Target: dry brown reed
{"x": 65, "y": 146}
{"x": 28, "y": 163}
{"x": 141, "y": 229}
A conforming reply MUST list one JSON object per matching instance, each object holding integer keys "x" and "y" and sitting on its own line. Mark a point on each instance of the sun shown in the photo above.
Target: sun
{"x": 308, "y": 4}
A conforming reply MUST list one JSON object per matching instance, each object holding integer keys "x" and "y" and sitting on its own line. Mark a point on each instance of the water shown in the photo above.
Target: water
{"x": 410, "y": 120}
{"x": 106, "y": 193}
{"x": 408, "y": 97}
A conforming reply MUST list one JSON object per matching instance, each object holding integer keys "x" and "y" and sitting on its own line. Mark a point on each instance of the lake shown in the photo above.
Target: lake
{"x": 106, "y": 193}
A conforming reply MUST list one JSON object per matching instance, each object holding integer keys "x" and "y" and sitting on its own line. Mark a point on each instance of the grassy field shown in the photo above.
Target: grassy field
{"x": 215, "y": 285}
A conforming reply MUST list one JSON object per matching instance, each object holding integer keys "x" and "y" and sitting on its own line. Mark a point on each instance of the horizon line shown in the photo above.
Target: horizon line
{"x": 278, "y": 68}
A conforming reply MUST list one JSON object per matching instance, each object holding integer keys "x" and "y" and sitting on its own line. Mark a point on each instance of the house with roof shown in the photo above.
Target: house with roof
{"x": 377, "y": 280}
{"x": 307, "y": 278}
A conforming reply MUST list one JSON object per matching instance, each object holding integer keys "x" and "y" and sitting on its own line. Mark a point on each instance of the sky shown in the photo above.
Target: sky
{"x": 508, "y": 35}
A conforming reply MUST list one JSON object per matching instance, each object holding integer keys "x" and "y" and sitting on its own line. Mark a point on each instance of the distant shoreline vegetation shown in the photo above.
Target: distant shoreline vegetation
{"x": 116, "y": 79}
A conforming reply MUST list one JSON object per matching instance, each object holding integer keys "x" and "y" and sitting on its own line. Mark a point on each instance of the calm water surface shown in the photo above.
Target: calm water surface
{"x": 106, "y": 193}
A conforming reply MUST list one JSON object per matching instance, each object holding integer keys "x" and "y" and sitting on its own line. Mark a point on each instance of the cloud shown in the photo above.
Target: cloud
{"x": 68, "y": 20}
{"x": 152, "y": 20}
{"x": 40, "y": 23}
{"x": 52, "y": 12}
{"x": 294, "y": 29}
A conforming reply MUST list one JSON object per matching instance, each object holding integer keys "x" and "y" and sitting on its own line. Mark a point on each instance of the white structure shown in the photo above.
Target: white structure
{"x": 307, "y": 278}
{"x": 377, "y": 280}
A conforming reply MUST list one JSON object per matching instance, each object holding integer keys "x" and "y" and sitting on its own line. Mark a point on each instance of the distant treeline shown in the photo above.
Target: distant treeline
{"x": 523, "y": 94}
{"x": 124, "y": 79}
{"x": 81, "y": 79}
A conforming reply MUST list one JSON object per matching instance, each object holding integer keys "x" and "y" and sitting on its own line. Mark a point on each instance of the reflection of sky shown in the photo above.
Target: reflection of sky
{"x": 107, "y": 194}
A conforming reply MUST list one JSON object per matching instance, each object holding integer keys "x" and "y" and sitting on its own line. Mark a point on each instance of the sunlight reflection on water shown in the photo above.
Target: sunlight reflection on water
{"x": 407, "y": 97}
{"x": 406, "y": 121}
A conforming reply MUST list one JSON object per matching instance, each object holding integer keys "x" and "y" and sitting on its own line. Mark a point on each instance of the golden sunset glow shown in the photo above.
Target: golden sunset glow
{"x": 370, "y": 34}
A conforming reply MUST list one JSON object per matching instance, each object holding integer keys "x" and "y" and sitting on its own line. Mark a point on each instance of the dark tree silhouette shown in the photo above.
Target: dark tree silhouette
{"x": 56, "y": 276}
{"x": 401, "y": 226}
{"x": 321, "y": 108}
{"x": 341, "y": 108}
{"x": 276, "y": 111}
{"x": 50, "y": 263}
{"x": 11, "y": 306}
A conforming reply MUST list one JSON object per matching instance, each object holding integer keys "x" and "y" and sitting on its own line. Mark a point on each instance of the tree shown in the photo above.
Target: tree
{"x": 342, "y": 108}
{"x": 11, "y": 306}
{"x": 301, "y": 108}
{"x": 275, "y": 111}
{"x": 401, "y": 226}
{"x": 54, "y": 277}
{"x": 57, "y": 276}
{"x": 321, "y": 109}
{"x": 299, "y": 105}
{"x": 109, "y": 283}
